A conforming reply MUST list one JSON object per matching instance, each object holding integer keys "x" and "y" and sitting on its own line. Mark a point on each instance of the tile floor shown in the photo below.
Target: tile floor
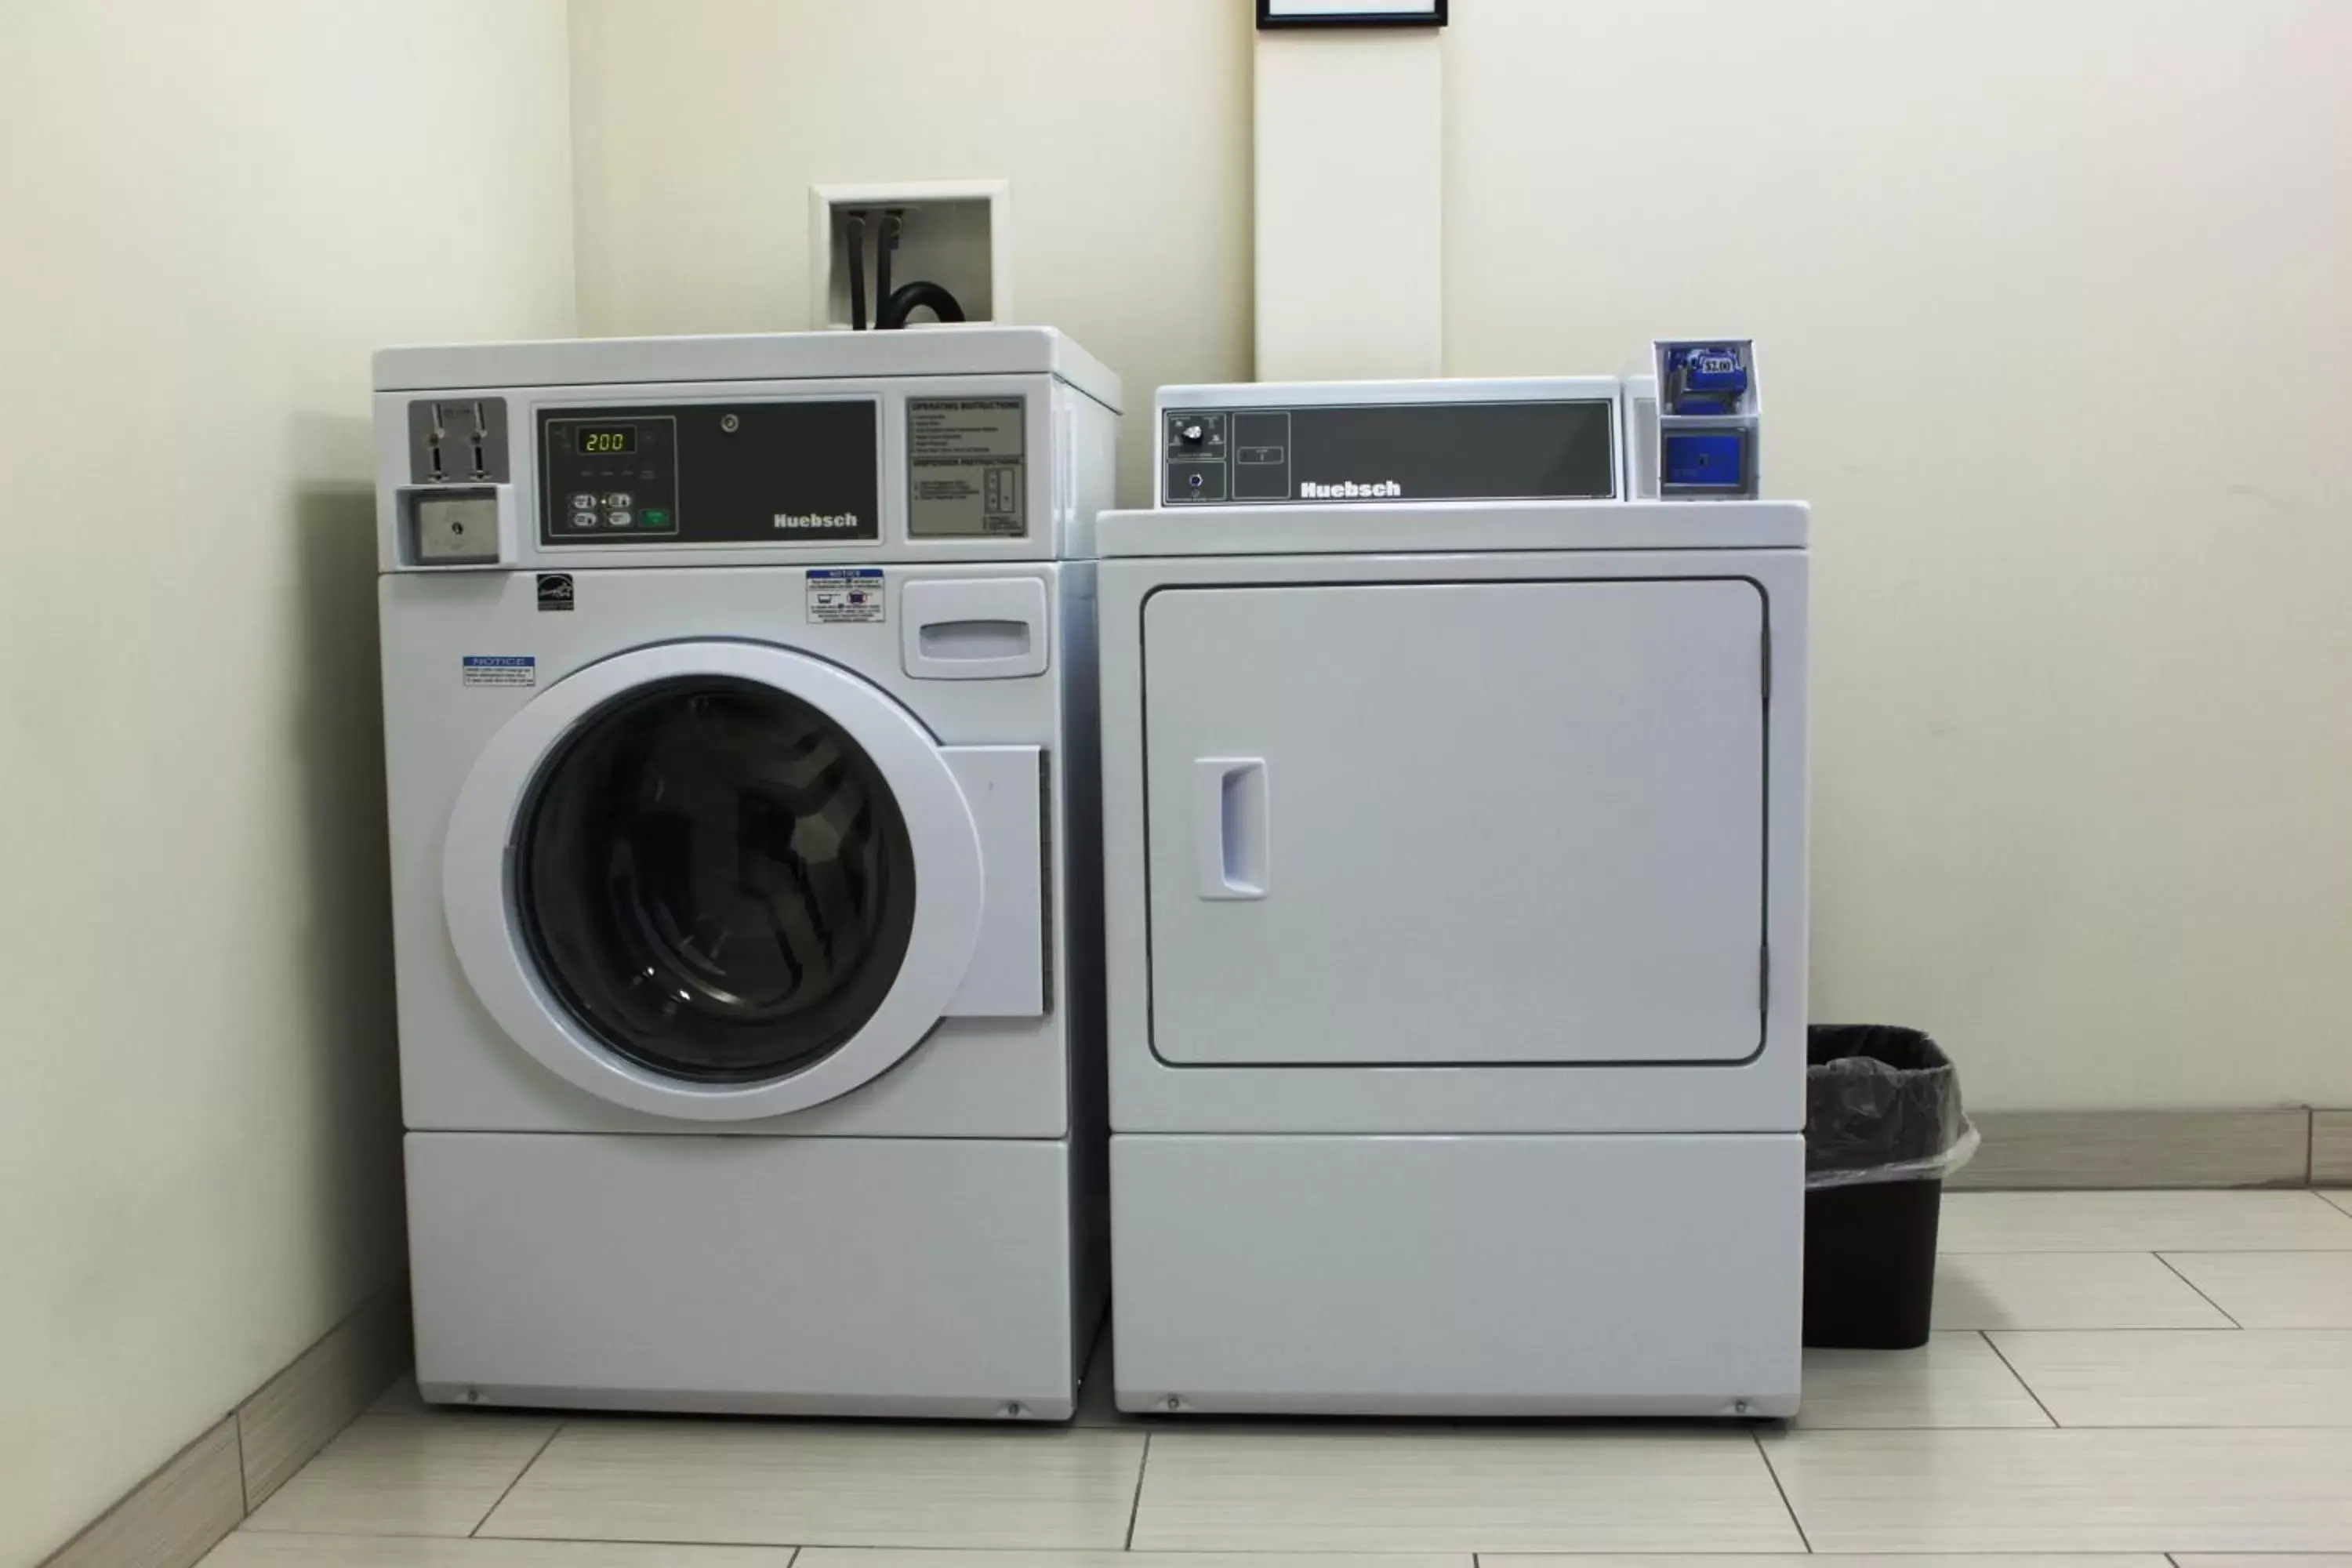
{"x": 2115, "y": 1377}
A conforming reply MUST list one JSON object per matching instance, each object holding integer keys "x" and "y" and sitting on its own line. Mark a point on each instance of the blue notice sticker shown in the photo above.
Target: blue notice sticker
{"x": 847, "y": 594}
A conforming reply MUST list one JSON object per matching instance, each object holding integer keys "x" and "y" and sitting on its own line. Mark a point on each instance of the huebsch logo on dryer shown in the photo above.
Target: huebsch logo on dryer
{"x": 1350, "y": 489}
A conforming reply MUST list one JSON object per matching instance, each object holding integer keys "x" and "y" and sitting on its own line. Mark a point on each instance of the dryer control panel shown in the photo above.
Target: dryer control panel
{"x": 1450, "y": 447}
{"x": 710, "y": 473}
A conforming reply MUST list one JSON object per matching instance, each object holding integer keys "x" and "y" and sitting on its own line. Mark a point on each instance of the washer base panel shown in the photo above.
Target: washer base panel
{"x": 805, "y": 1276}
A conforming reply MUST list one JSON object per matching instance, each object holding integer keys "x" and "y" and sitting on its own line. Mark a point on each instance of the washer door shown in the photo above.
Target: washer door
{"x": 714, "y": 880}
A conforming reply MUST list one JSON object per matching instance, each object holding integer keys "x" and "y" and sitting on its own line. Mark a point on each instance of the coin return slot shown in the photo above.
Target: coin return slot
{"x": 452, "y": 528}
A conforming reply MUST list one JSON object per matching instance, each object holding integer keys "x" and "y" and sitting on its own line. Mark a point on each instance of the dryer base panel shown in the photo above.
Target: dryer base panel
{"x": 1637, "y": 1275}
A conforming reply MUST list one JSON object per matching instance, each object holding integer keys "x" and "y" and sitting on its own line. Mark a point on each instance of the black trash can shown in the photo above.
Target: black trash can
{"x": 1884, "y": 1126}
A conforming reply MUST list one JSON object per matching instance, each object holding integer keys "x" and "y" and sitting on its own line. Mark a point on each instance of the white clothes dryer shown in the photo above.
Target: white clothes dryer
{"x": 741, "y": 739}
{"x": 1454, "y": 849}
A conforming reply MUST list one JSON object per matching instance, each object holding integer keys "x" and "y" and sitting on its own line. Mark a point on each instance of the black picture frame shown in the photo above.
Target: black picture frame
{"x": 1434, "y": 17}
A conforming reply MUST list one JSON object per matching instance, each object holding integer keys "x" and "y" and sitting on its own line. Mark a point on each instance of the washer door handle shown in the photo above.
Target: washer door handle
{"x": 1231, "y": 856}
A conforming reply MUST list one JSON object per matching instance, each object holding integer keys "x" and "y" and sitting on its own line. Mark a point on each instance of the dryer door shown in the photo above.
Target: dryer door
{"x": 718, "y": 880}
{"x": 1456, "y": 823}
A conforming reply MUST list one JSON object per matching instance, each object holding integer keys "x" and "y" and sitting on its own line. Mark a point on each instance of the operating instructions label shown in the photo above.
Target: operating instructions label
{"x": 966, "y": 468}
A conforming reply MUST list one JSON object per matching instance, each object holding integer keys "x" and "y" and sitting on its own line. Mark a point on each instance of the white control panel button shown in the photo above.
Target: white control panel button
{"x": 620, "y": 519}
{"x": 583, "y": 518}
{"x": 619, "y": 499}
{"x": 584, "y": 502}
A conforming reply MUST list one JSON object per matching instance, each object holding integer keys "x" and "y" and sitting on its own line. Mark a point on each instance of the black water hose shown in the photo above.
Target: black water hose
{"x": 857, "y": 272}
{"x": 913, "y": 297}
{"x": 886, "y": 245}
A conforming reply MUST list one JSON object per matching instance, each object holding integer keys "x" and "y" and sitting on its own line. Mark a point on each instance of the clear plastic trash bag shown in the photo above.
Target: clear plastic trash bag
{"x": 1882, "y": 1104}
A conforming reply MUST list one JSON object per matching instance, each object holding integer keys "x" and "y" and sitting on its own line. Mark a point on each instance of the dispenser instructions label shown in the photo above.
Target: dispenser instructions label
{"x": 845, "y": 593}
{"x": 499, "y": 669}
{"x": 967, "y": 474}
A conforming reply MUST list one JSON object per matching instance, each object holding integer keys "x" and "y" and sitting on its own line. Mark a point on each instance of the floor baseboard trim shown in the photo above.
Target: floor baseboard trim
{"x": 181, "y": 1511}
{"x": 2032, "y": 1150}
{"x": 173, "y": 1516}
{"x": 2331, "y": 1148}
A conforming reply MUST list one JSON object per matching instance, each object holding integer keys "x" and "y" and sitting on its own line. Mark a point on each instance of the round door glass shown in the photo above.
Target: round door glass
{"x": 715, "y": 879}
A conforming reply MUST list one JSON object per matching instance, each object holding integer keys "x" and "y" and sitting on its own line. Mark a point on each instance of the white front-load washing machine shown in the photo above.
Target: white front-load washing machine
{"x": 1455, "y": 857}
{"x": 741, "y": 741}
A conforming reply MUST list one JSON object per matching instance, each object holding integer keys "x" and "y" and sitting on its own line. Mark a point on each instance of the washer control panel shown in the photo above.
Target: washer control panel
{"x": 609, "y": 477}
{"x": 753, "y": 472}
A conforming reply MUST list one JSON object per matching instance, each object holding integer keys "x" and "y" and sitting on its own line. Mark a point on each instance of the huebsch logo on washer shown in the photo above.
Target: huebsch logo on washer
{"x": 1350, "y": 489}
{"x": 828, "y": 521}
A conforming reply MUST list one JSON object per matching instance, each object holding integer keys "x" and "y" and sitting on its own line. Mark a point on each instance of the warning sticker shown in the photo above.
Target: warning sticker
{"x": 966, "y": 470}
{"x": 499, "y": 669}
{"x": 845, "y": 593}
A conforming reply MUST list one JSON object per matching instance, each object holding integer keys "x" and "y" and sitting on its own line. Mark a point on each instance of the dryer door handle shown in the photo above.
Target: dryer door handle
{"x": 1230, "y": 855}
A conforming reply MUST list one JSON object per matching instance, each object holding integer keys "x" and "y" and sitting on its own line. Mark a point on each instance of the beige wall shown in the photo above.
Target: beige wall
{"x": 2084, "y": 737}
{"x": 211, "y": 214}
{"x": 2043, "y": 291}
{"x": 1123, "y": 126}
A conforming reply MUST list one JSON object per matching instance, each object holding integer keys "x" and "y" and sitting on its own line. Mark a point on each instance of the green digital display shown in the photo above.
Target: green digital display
{"x": 602, "y": 438}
